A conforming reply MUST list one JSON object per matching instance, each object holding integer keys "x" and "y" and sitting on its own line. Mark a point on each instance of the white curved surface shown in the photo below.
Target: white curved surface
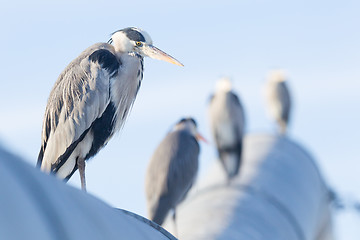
{"x": 34, "y": 205}
{"x": 279, "y": 194}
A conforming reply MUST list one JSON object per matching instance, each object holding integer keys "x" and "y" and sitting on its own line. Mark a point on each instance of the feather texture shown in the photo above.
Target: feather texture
{"x": 171, "y": 173}
{"x": 227, "y": 121}
{"x": 87, "y": 105}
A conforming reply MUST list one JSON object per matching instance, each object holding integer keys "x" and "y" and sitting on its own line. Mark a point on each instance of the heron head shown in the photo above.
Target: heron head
{"x": 137, "y": 41}
{"x": 278, "y": 75}
{"x": 223, "y": 85}
{"x": 190, "y": 125}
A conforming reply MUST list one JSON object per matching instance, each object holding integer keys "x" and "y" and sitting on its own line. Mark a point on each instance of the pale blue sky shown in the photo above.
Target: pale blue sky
{"x": 317, "y": 43}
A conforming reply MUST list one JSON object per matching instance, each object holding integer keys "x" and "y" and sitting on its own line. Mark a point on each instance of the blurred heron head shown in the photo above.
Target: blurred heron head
{"x": 223, "y": 85}
{"x": 277, "y": 76}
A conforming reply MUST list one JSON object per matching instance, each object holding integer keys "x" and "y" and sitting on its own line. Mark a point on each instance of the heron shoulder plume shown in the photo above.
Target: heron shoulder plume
{"x": 107, "y": 60}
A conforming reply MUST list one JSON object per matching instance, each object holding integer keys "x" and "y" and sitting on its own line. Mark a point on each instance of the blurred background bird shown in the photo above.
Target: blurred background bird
{"x": 172, "y": 170}
{"x": 278, "y": 99}
{"x": 91, "y": 100}
{"x": 227, "y": 122}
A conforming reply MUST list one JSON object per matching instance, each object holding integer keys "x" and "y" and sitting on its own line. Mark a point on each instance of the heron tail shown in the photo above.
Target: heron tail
{"x": 231, "y": 159}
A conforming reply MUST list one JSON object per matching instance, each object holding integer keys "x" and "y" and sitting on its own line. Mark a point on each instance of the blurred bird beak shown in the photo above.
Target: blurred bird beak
{"x": 199, "y": 137}
{"x": 154, "y": 52}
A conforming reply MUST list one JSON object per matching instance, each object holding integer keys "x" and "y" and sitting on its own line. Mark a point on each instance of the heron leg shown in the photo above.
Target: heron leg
{"x": 174, "y": 221}
{"x": 228, "y": 181}
{"x": 282, "y": 127}
{"x": 81, "y": 166}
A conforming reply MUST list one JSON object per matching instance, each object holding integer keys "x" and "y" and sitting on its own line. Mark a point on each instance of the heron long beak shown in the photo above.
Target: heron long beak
{"x": 200, "y": 137}
{"x": 154, "y": 52}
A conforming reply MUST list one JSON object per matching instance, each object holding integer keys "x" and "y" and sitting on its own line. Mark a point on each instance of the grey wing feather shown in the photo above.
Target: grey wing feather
{"x": 284, "y": 98}
{"x": 171, "y": 173}
{"x": 230, "y": 113}
{"x": 79, "y": 96}
{"x": 227, "y": 120}
{"x": 184, "y": 164}
{"x": 237, "y": 111}
{"x": 211, "y": 98}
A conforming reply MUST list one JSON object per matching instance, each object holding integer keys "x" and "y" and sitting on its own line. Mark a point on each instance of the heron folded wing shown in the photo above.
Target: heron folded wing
{"x": 79, "y": 97}
{"x": 238, "y": 114}
{"x": 184, "y": 164}
{"x": 284, "y": 99}
{"x": 171, "y": 173}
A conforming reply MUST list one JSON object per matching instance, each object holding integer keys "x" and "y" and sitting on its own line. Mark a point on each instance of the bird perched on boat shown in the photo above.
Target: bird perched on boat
{"x": 227, "y": 122}
{"x": 91, "y": 100}
{"x": 278, "y": 99}
{"x": 172, "y": 170}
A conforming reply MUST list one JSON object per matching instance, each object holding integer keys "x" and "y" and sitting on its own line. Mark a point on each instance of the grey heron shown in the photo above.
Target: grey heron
{"x": 172, "y": 170}
{"x": 91, "y": 100}
{"x": 227, "y": 122}
{"x": 278, "y": 99}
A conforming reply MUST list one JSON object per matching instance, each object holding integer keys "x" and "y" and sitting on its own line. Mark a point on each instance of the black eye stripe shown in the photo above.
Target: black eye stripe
{"x": 182, "y": 120}
{"x": 133, "y": 35}
{"x": 188, "y": 119}
{"x": 191, "y": 119}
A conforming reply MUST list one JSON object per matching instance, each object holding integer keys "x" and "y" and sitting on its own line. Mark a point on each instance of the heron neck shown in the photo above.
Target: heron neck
{"x": 120, "y": 55}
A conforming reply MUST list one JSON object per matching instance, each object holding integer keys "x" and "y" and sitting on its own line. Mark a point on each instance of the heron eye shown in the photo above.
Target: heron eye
{"x": 139, "y": 44}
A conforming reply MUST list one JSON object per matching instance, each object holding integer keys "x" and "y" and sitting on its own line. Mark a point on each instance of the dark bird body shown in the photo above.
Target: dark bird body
{"x": 279, "y": 100}
{"x": 172, "y": 170}
{"x": 227, "y": 123}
